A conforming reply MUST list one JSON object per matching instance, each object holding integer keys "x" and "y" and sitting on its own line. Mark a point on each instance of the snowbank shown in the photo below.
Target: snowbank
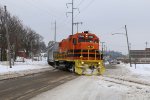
{"x": 141, "y": 69}
{"x": 23, "y": 68}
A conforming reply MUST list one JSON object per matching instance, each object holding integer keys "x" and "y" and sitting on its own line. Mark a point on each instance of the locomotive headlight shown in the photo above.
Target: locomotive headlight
{"x": 99, "y": 63}
{"x": 86, "y": 35}
{"x": 82, "y": 62}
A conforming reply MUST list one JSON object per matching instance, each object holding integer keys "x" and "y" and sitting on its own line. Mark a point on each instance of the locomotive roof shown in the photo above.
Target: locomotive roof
{"x": 82, "y": 33}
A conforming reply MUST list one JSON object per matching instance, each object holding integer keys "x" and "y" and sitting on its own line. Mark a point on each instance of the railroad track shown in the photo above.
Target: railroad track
{"x": 127, "y": 81}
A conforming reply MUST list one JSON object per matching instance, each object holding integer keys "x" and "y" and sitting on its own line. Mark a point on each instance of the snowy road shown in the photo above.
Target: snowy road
{"x": 118, "y": 83}
{"x": 97, "y": 88}
{"x": 23, "y": 88}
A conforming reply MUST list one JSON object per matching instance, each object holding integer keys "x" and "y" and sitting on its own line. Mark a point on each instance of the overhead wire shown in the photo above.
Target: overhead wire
{"x": 33, "y": 5}
{"x": 65, "y": 21}
{"x": 80, "y": 3}
{"x": 89, "y": 4}
{"x": 50, "y": 14}
{"x": 85, "y": 8}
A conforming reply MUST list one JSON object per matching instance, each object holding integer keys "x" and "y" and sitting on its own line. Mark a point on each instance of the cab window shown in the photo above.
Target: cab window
{"x": 90, "y": 36}
{"x": 81, "y": 40}
{"x": 96, "y": 41}
{"x": 74, "y": 41}
{"x": 89, "y": 40}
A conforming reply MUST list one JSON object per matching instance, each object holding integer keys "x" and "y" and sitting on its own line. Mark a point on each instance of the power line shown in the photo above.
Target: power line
{"x": 50, "y": 14}
{"x": 33, "y": 5}
{"x": 66, "y": 20}
{"x": 72, "y": 12}
{"x": 47, "y": 12}
{"x": 86, "y": 7}
{"x": 80, "y": 3}
{"x": 89, "y": 4}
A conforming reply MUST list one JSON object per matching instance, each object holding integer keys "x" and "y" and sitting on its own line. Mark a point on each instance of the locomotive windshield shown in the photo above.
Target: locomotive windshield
{"x": 81, "y": 36}
{"x": 85, "y": 40}
{"x": 89, "y": 40}
{"x": 90, "y": 37}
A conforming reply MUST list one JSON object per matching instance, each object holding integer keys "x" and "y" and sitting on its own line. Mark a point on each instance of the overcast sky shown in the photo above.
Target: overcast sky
{"x": 102, "y": 17}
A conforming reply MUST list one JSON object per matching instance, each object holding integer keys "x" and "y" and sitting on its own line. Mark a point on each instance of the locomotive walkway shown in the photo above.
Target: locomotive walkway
{"x": 23, "y": 88}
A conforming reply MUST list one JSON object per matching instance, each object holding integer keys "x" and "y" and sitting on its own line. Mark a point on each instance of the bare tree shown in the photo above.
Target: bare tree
{"x": 21, "y": 37}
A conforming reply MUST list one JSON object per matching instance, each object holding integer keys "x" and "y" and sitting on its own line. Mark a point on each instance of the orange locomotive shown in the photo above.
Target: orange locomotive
{"x": 79, "y": 53}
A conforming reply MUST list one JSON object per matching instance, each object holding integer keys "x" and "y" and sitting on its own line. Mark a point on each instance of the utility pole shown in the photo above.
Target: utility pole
{"x": 128, "y": 45}
{"x": 0, "y": 47}
{"x": 1, "y": 41}
{"x": 77, "y": 23}
{"x": 72, "y": 12}
{"x": 72, "y": 15}
{"x": 7, "y": 36}
{"x": 103, "y": 50}
{"x": 32, "y": 50}
{"x": 106, "y": 50}
{"x": 146, "y": 43}
{"x": 102, "y": 47}
{"x": 55, "y": 33}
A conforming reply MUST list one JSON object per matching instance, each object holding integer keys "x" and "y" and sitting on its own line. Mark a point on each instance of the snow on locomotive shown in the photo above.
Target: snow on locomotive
{"x": 78, "y": 53}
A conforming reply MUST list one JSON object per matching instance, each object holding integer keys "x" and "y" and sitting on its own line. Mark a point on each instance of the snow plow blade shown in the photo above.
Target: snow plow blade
{"x": 88, "y": 67}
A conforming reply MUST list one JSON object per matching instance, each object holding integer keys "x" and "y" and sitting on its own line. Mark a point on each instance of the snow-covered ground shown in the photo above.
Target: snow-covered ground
{"x": 142, "y": 69}
{"x": 105, "y": 87}
{"x": 120, "y": 82}
{"x": 23, "y": 68}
